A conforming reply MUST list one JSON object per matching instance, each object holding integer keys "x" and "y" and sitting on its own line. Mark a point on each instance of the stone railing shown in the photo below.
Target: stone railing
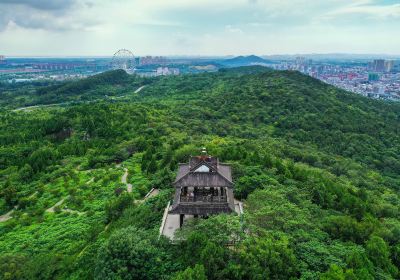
{"x": 200, "y": 198}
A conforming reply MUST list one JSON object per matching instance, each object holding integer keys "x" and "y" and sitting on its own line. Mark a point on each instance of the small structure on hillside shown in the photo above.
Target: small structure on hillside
{"x": 203, "y": 187}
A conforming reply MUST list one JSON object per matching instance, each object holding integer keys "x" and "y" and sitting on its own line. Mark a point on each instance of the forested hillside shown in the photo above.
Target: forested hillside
{"x": 318, "y": 170}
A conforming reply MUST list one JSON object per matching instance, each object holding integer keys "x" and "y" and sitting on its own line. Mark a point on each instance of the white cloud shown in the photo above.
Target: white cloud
{"x": 368, "y": 9}
{"x": 233, "y": 29}
{"x": 80, "y": 27}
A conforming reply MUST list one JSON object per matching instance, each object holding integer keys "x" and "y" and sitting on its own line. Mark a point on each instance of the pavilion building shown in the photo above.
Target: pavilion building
{"x": 203, "y": 187}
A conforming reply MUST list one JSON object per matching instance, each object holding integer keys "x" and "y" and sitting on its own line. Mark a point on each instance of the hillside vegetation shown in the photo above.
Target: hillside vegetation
{"x": 102, "y": 86}
{"x": 318, "y": 170}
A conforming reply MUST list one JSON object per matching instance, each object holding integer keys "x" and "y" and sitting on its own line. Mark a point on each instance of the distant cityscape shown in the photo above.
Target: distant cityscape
{"x": 14, "y": 70}
{"x": 374, "y": 78}
{"x": 378, "y": 78}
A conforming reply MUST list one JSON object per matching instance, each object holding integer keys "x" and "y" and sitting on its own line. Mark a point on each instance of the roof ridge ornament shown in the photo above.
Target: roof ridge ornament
{"x": 204, "y": 155}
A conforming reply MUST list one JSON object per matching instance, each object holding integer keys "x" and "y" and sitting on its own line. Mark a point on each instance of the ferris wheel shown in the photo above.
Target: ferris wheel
{"x": 123, "y": 59}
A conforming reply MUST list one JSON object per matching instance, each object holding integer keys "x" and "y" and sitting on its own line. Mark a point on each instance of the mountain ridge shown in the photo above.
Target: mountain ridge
{"x": 244, "y": 61}
{"x": 316, "y": 167}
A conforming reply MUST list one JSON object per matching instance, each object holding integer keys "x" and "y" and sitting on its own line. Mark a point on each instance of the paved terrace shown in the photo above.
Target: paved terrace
{"x": 170, "y": 222}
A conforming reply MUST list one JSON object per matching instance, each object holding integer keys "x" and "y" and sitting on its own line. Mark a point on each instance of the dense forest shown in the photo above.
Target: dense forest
{"x": 317, "y": 168}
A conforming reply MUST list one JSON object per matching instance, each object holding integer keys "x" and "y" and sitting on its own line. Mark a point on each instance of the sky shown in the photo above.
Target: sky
{"x": 194, "y": 27}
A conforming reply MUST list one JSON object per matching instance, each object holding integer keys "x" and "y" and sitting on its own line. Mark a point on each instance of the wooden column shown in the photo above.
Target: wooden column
{"x": 181, "y": 216}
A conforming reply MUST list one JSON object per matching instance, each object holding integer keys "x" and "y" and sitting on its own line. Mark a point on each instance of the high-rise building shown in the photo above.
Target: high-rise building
{"x": 396, "y": 66}
{"x": 149, "y": 60}
{"x": 379, "y": 65}
{"x": 300, "y": 60}
{"x": 389, "y": 64}
{"x": 303, "y": 61}
{"x": 2, "y": 59}
{"x": 373, "y": 77}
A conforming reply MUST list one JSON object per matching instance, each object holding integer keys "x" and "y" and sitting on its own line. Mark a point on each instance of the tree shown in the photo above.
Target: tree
{"x": 334, "y": 273}
{"x": 219, "y": 229}
{"x": 337, "y": 273}
{"x": 167, "y": 157}
{"x": 116, "y": 206}
{"x": 379, "y": 253}
{"x": 396, "y": 255}
{"x": 214, "y": 259}
{"x": 130, "y": 254}
{"x": 248, "y": 184}
{"x": 46, "y": 266}
{"x": 42, "y": 158}
{"x": 12, "y": 266}
{"x": 152, "y": 167}
{"x": 195, "y": 273}
{"x": 213, "y": 256}
{"x": 26, "y": 173}
{"x": 191, "y": 248}
{"x": 360, "y": 264}
{"x": 267, "y": 258}
{"x": 10, "y": 194}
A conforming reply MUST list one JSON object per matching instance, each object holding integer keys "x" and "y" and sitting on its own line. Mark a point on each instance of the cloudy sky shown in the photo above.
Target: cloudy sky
{"x": 194, "y": 27}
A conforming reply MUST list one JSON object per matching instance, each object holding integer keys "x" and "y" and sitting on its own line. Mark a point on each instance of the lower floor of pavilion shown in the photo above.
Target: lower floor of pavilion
{"x": 171, "y": 222}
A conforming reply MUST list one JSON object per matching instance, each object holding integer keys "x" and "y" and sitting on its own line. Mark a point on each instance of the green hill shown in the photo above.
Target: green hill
{"x": 318, "y": 170}
{"x": 114, "y": 83}
{"x": 244, "y": 61}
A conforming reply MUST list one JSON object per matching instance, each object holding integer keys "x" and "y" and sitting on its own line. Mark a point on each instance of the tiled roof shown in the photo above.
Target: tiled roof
{"x": 219, "y": 175}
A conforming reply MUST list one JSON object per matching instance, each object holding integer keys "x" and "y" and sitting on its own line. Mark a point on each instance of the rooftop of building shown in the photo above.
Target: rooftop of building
{"x": 204, "y": 171}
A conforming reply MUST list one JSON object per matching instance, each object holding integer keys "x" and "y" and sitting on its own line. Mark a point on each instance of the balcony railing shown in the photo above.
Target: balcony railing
{"x": 203, "y": 198}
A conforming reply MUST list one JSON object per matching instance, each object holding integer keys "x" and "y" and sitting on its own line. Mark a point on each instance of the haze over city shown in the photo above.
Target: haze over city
{"x": 210, "y": 27}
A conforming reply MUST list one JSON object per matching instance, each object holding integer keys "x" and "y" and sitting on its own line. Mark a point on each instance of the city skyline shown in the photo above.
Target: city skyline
{"x": 198, "y": 28}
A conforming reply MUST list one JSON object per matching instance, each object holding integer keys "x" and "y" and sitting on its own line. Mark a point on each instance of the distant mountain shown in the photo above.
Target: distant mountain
{"x": 244, "y": 61}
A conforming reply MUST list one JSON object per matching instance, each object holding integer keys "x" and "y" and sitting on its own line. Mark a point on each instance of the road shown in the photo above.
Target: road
{"x": 36, "y": 106}
{"x": 6, "y": 216}
{"x": 52, "y": 209}
{"x": 124, "y": 181}
{"x": 139, "y": 89}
